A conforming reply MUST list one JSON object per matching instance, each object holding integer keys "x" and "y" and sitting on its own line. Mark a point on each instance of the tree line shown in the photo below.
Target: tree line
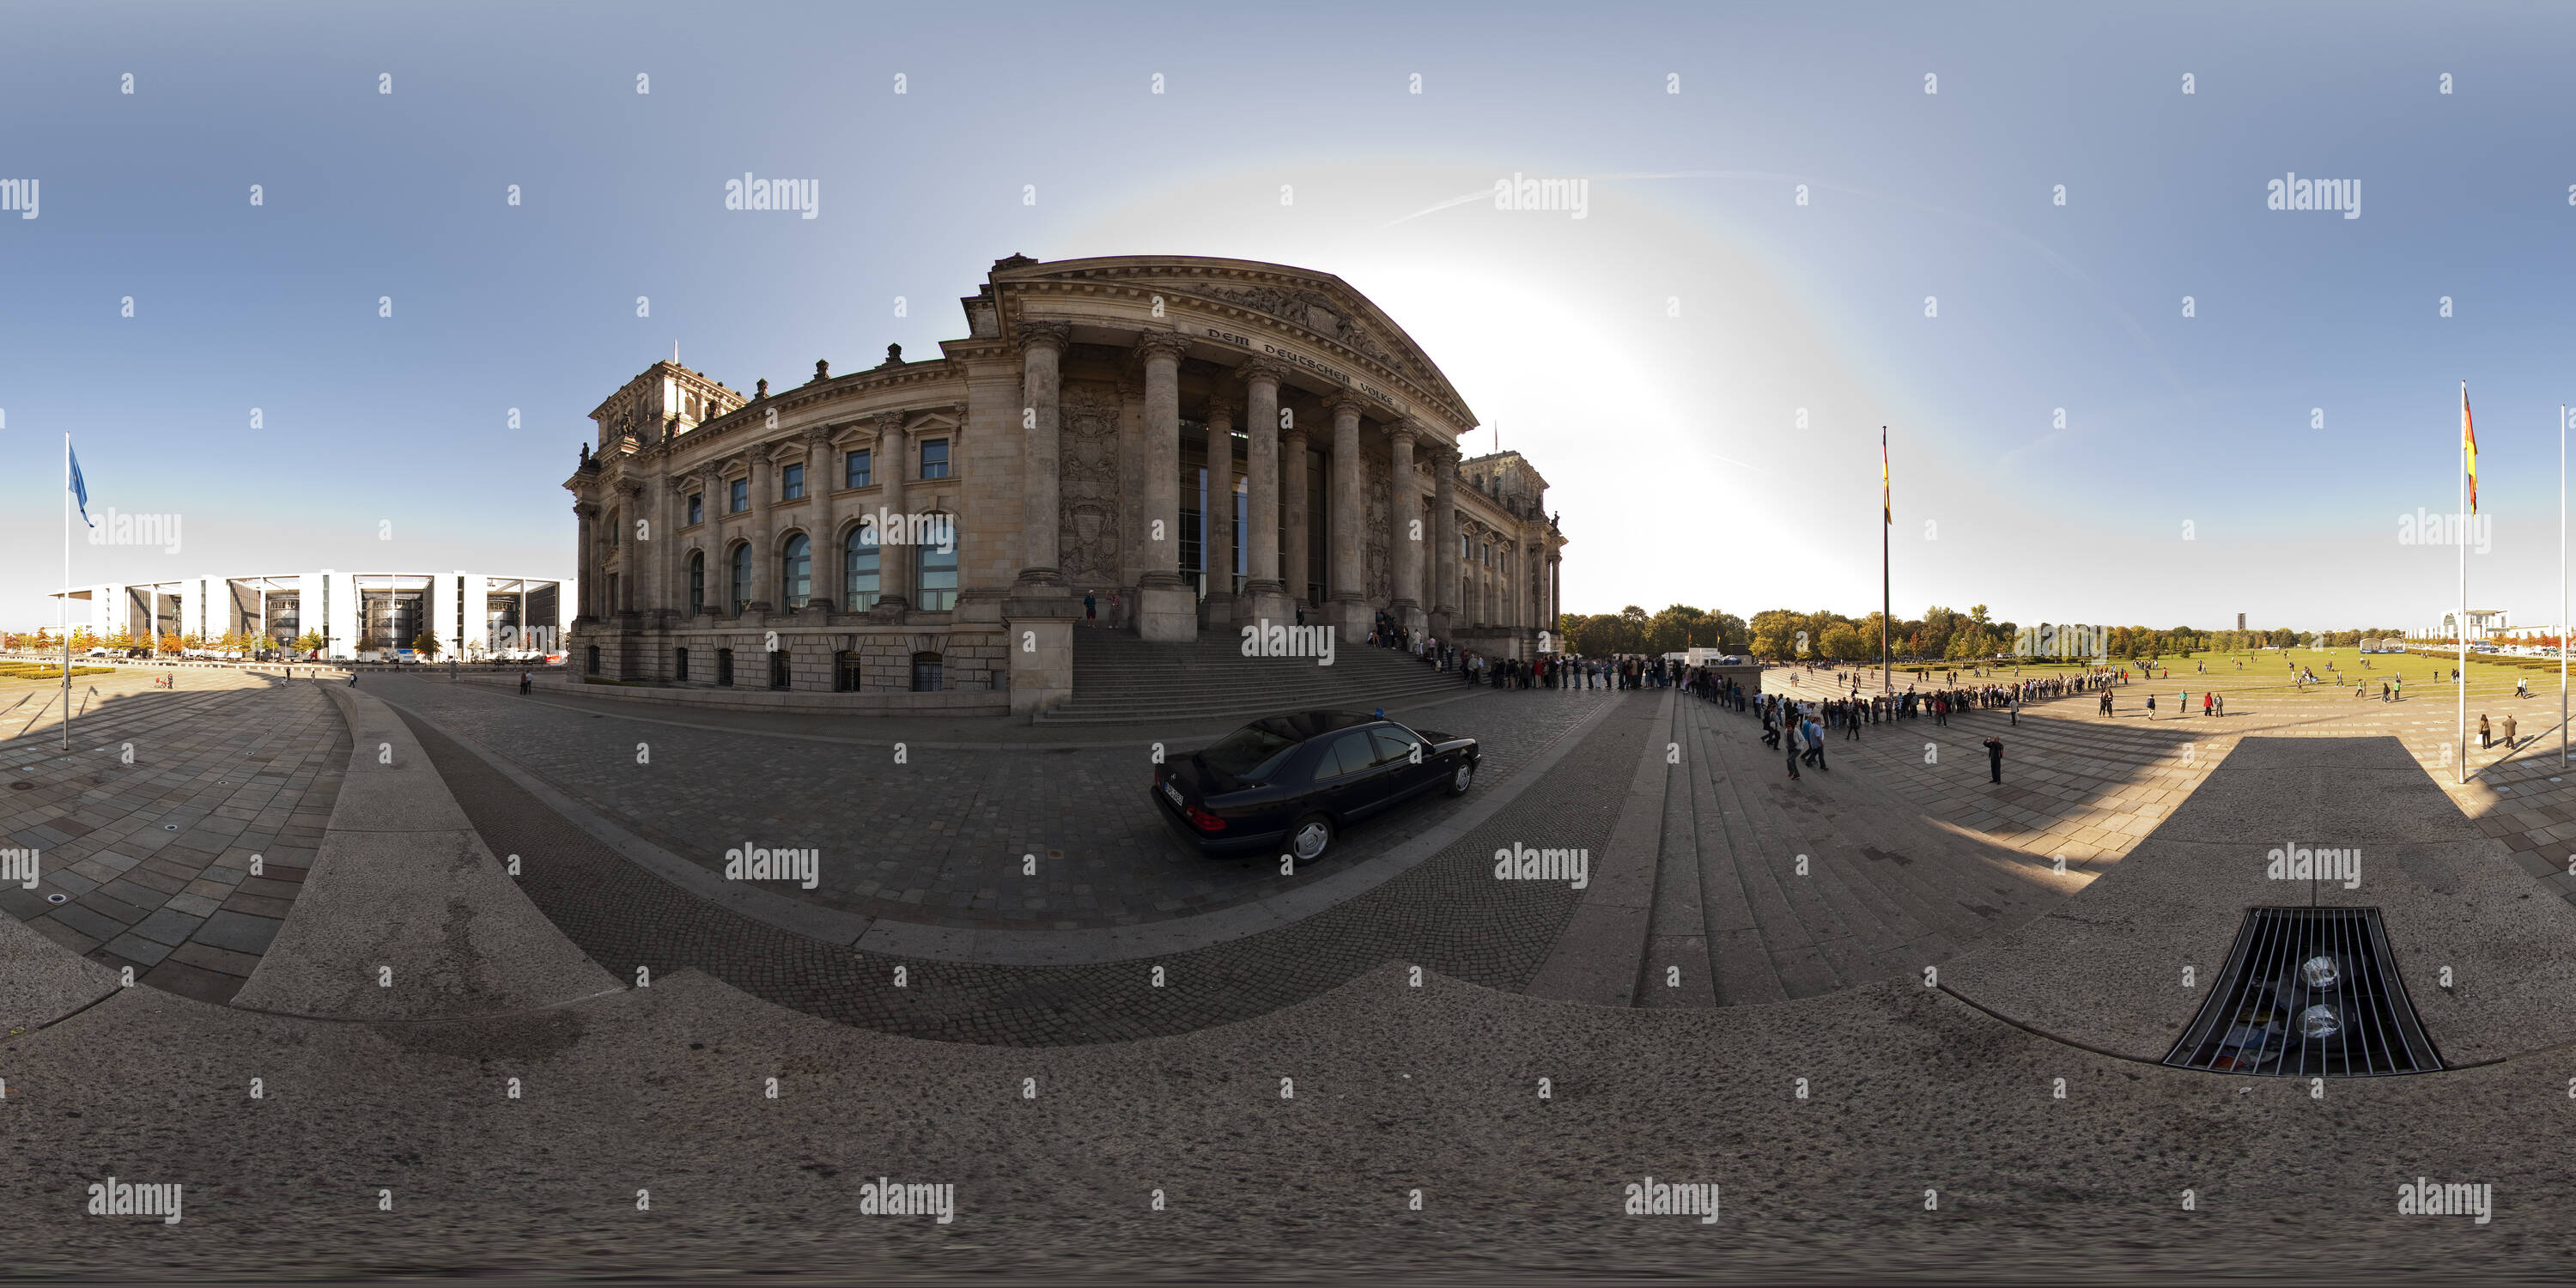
{"x": 1940, "y": 633}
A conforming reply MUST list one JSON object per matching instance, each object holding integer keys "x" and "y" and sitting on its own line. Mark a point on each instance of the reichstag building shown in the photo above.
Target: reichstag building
{"x": 1169, "y": 447}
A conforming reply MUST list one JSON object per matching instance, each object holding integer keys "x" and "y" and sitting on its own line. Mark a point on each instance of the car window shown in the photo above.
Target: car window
{"x": 1250, "y": 752}
{"x": 1395, "y": 744}
{"x": 1350, "y": 753}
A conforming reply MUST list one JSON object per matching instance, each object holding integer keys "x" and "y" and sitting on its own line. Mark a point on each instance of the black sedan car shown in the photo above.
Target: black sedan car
{"x": 1289, "y": 784}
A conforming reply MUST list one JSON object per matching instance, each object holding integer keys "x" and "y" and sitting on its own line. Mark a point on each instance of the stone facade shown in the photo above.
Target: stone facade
{"x": 1088, "y": 450}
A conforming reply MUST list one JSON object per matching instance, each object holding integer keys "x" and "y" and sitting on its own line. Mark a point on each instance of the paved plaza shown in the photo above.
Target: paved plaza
{"x": 1752, "y": 1025}
{"x": 147, "y": 863}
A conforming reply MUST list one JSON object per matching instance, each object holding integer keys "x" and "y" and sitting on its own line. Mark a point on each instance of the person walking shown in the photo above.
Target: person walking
{"x": 2508, "y": 731}
{"x": 1792, "y": 759}
{"x": 1995, "y": 760}
{"x": 2222, "y": 706}
{"x": 2206, "y": 701}
{"x": 526, "y": 682}
{"x": 2483, "y": 735}
{"x": 2151, "y": 706}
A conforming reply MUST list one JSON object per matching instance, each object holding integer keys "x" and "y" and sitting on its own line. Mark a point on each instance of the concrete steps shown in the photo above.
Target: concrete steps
{"x": 1885, "y": 892}
{"x": 1119, "y": 679}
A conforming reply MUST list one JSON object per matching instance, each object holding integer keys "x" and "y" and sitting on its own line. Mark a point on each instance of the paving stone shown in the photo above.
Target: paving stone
{"x": 238, "y": 932}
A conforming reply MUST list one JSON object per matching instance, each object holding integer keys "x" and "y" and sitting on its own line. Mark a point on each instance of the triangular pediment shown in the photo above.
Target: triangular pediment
{"x": 1317, "y": 304}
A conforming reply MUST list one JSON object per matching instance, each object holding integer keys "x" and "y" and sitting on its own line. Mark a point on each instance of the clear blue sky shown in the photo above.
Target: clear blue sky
{"x": 1671, "y": 440}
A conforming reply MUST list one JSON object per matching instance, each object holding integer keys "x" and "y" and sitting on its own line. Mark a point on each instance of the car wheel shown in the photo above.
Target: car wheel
{"x": 1309, "y": 837}
{"x": 1462, "y": 778}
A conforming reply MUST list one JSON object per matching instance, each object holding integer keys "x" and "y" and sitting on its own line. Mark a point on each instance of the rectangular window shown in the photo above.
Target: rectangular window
{"x": 934, "y": 458}
{"x": 791, "y": 483}
{"x": 741, "y": 498}
{"x": 680, "y": 664}
{"x": 855, "y": 466}
{"x": 697, "y": 507}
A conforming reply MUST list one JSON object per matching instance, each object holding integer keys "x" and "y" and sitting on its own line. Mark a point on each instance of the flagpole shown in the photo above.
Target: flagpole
{"x": 67, "y": 592}
{"x": 1886, "y": 601}
{"x": 2562, "y": 585}
{"x": 2460, "y": 671}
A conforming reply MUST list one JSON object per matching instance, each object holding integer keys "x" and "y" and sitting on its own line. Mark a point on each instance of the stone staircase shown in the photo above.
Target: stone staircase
{"x": 1120, "y": 679}
{"x": 1884, "y": 895}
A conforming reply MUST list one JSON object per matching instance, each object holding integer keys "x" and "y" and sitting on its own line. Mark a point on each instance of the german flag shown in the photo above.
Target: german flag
{"x": 2468, "y": 447}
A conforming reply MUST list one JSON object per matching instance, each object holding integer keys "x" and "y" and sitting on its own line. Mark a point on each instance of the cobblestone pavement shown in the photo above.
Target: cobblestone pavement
{"x": 1447, "y": 914}
{"x": 942, "y": 838}
{"x": 148, "y": 864}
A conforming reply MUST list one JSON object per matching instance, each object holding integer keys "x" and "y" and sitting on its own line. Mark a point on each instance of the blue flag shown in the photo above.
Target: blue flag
{"x": 80, "y": 486}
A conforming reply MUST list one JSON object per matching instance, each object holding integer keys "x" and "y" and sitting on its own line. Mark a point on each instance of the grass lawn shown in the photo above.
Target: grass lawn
{"x": 2268, "y": 673}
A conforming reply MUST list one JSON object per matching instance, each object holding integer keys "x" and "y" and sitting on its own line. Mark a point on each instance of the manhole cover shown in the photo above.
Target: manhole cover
{"x": 2308, "y": 993}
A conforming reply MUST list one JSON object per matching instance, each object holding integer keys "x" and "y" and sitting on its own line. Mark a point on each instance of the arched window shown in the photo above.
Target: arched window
{"x": 741, "y": 587}
{"x": 935, "y": 570}
{"x": 796, "y": 571}
{"x": 860, "y": 560}
{"x": 926, "y": 673}
{"x": 697, "y": 582}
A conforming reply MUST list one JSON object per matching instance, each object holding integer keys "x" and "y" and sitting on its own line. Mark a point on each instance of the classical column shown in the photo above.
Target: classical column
{"x": 711, "y": 538}
{"x": 1293, "y": 492}
{"x": 763, "y": 494}
{"x": 630, "y": 552}
{"x": 822, "y": 555}
{"x": 1261, "y": 583}
{"x": 674, "y": 595}
{"x": 1165, "y": 607}
{"x": 1217, "y": 512}
{"x": 894, "y": 562}
{"x": 1444, "y": 548}
{"x": 586, "y": 564}
{"x": 1042, "y": 346}
{"x": 1348, "y": 538}
{"x": 1555, "y": 591}
{"x": 1405, "y": 537}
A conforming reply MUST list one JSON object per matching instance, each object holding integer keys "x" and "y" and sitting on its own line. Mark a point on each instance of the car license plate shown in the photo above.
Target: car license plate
{"x": 1175, "y": 794}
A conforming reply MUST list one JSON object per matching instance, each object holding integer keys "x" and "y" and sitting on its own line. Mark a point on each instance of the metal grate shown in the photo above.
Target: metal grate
{"x": 2261, "y": 1019}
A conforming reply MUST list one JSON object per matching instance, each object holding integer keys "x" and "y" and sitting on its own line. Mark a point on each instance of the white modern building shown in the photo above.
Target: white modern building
{"x": 357, "y": 613}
